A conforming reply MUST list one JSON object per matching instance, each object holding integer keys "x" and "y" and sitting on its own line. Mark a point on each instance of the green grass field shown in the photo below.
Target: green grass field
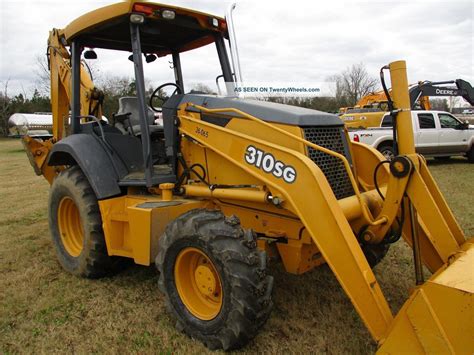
{"x": 45, "y": 310}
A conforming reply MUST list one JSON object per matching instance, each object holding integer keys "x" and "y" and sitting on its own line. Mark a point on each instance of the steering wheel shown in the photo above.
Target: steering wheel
{"x": 157, "y": 95}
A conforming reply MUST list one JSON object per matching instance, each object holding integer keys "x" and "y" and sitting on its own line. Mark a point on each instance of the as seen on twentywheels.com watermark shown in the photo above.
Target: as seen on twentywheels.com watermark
{"x": 282, "y": 89}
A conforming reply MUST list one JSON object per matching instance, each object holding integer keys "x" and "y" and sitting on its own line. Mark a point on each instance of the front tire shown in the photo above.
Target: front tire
{"x": 214, "y": 279}
{"x": 76, "y": 226}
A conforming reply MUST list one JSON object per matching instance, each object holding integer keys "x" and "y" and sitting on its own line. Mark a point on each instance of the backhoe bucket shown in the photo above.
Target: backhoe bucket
{"x": 438, "y": 318}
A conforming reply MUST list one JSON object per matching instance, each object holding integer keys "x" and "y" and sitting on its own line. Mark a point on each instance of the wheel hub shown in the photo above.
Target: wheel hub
{"x": 205, "y": 280}
{"x": 198, "y": 283}
{"x": 70, "y": 226}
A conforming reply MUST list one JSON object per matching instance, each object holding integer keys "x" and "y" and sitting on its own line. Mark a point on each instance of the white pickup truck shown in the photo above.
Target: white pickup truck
{"x": 437, "y": 134}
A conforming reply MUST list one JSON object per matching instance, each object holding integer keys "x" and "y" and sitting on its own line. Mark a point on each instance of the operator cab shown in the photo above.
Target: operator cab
{"x": 145, "y": 148}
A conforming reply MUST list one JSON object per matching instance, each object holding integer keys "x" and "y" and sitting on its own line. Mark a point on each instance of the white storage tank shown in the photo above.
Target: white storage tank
{"x": 38, "y": 124}
{"x": 35, "y": 125}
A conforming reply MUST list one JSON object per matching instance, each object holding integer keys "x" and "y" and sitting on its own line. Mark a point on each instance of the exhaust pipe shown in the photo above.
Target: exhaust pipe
{"x": 234, "y": 52}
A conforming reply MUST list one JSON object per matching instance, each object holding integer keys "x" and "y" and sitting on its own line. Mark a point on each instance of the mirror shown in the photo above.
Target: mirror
{"x": 90, "y": 54}
{"x": 150, "y": 58}
{"x": 463, "y": 125}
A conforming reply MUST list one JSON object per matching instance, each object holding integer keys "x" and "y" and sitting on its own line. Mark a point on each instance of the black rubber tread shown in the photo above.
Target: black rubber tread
{"x": 93, "y": 262}
{"x": 374, "y": 253}
{"x": 470, "y": 155}
{"x": 443, "y": 158}
{"x": 247, "y": 302}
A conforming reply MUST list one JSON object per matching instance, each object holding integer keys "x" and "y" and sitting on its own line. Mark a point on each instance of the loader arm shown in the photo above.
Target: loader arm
{"x": 431, "y": 229}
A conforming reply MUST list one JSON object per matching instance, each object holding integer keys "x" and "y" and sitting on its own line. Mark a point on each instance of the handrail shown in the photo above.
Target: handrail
{"x": 364, "y": 207}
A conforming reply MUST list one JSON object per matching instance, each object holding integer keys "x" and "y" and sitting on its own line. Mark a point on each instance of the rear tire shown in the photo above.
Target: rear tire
{"x": 387, "y": 151}
{"x": 239, "y": 299}
{"x": 76, "y": 226}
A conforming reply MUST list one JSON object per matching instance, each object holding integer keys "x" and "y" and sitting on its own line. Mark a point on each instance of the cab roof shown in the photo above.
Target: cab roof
{"x": 109, "y": 27}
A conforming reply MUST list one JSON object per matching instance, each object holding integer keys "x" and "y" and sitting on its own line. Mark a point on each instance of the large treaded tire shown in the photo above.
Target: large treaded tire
{"x": 246, "y": 303}
{"x": 93, "y": 260}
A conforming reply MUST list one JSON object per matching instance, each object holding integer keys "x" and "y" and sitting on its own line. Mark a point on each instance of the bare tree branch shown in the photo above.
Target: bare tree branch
{"x": 4, "y": 108}
{"x": 42, "y": 75}
{"x": 352, "y": 84}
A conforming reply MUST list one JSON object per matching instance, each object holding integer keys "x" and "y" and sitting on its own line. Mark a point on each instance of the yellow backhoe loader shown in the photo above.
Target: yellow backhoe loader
{"x": 225, "y": 182}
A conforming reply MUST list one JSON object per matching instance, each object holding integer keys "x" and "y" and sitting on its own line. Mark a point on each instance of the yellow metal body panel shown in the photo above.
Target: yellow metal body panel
{"x": 267, "y": 222}
{"x": 91, "y": 20}
{"x": 298, "y": 257}
{"x": 365, "y": 158}
{"x": 96, "y": 18}
{"x": 133, "y": 224}
{"x": 438, "y": 318}
{"x": 363, "y": 119}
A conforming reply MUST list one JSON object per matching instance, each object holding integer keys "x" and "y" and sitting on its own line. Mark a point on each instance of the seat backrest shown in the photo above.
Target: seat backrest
{"x": 130, "y": 104}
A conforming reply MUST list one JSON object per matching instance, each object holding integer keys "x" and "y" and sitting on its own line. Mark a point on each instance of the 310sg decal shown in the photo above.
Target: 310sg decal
{"x": 269, "y": 164}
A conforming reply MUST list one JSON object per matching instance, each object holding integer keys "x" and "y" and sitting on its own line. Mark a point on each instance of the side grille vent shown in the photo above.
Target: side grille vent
{"x": 331, "y": 138}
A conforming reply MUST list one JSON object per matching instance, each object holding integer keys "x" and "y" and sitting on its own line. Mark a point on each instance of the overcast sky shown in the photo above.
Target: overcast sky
{"x": 298, "y": 41}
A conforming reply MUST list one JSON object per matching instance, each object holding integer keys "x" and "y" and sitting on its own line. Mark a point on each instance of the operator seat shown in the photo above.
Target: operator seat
{"x": 128, "y": 107}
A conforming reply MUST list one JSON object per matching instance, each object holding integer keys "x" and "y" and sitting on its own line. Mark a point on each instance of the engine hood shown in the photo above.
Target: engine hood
{"x": 266, "y": 111}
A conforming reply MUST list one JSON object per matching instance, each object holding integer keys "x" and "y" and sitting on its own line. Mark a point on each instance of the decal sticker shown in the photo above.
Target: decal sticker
{"x": 269, "y": 164}
{"x": 202, "y": 132}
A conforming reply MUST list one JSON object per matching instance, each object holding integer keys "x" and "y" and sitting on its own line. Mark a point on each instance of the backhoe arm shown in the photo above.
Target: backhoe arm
{"x": 426, "y": 89}
{"x": 422, "y": 91}
{"x": 59, "y": 63}
{"x": 91, "y": 98}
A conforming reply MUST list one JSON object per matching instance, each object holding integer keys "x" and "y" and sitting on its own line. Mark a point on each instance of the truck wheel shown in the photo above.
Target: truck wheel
{"x": 76, "y": 226}
{"x": 444, "y": 158}
{"x": 214, "y": 279}
{"x": 470, "y": 155}
{"x": 387, "y": 151}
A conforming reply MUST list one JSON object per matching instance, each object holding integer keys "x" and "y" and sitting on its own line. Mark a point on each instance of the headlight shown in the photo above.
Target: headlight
{"x": 137, "y": 19}
{"x": 168, "y": 14}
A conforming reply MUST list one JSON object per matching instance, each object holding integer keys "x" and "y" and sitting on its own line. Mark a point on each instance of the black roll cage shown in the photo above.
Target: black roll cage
{"x": 76, "y": 51}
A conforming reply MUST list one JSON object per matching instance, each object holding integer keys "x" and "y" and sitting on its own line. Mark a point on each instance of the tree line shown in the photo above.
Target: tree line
{"x": 350, "y": 85}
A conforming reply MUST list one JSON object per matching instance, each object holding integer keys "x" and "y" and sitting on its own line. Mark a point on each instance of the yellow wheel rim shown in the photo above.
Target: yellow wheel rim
{"x": 70, "y": 226}
{"x": 198, "y": 283}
